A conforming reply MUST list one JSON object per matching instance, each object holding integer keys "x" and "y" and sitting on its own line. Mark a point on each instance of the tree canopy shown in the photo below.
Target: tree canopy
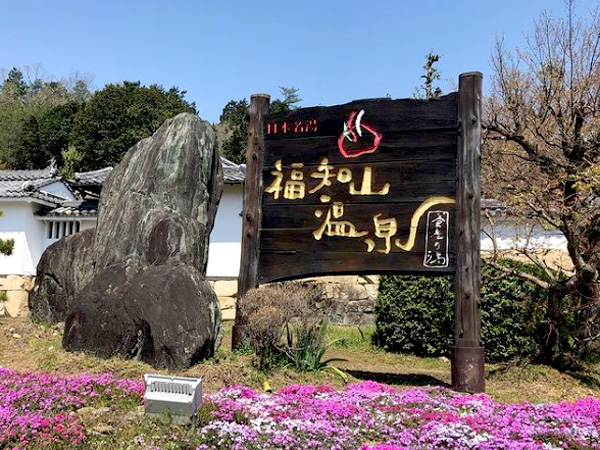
{"x": 234, "y": 122}
{"x": 36, "y": 119}
{"x": 542, "y": 157}
{"x": 118, "y": 116}
{"x": 431, "y": 75}
{"x": 45, "y": 119}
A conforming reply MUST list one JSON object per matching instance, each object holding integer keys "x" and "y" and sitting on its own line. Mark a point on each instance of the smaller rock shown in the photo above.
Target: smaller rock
{"x": 135, "y": 414}
{"x": 51, "y": 348}
{"x": 103, "y": 428}
{"x": 16, "y": 336}
{"x": 85, "y": 411}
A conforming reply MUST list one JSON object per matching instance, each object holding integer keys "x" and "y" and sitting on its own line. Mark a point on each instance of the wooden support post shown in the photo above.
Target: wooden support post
{"x": 248, "y": 278}
{"x": 467, "y": 356}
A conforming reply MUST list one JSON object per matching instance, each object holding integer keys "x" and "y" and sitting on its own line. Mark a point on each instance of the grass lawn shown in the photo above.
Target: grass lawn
{"x": 38, "y": 348}
{"x": 110, "y": 422}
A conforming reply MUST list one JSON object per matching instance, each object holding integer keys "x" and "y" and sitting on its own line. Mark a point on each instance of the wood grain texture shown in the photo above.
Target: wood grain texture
{"x": 415, "y": 158}
{"x": 285, "y": 266}
{"x": 468, "y": 357}
{"x": 248, "y": 277}
{"x": 384, "y": 114}
{"x": 408, "y": 146}
{"x": 468, "y": 215}
{"x": 297, "y": 217}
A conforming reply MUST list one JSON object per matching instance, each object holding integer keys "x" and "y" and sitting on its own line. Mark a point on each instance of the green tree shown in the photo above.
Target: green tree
{"x": 427, "y": 89}
{"x": 80, "y": 92}
{"x": 118, "y": 116}
{"x": 287, "y": 103}
{"x": 6, "y": 245}
{"x": 46, "y": 137}
{"x": 15, "y": 85}
{"x": 30, "y": 134}
{"x": 234, "y": 122}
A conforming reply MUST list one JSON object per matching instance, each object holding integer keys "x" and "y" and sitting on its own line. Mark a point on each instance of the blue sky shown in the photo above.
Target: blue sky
{"x": 333, "y": 51}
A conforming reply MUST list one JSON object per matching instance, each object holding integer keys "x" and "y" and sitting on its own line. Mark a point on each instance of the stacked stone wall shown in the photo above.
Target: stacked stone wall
{"x": 15, "y": 291}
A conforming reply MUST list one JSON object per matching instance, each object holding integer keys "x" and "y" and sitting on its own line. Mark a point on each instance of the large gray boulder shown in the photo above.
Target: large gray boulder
{"x": 64, "y": 269}
{"x": 158, "y": 205}
{"x": 145, "y": 296}
{"x": 167, "y": 316}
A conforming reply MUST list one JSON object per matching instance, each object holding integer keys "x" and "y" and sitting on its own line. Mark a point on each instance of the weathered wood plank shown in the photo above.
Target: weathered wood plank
{"x": 400, "y": 177}
{"x": 299, "y": 217}
{"x": 406, "y": 146}
{"x": 381, "y": 114}
{"x": 284, "y": 266}
{"x": 302, "y": 240}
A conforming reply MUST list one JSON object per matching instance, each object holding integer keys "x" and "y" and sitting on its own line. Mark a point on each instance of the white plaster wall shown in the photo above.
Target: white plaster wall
{"x": 19, "y": 223}
{"x": 224, "y": 251}
{"x": 58, "y": 188}
{"x": 87, "y": 224}
{"x": 511, "y": 234}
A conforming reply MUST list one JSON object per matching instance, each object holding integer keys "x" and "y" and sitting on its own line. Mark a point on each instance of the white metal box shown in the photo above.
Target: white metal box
{"x": 181, "y": 396}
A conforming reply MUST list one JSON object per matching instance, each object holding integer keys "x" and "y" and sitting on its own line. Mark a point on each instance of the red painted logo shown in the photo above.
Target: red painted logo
{"x": 353, "y": 142}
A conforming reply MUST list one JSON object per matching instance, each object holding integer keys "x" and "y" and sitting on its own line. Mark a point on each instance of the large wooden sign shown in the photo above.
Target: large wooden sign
{"x": 372, "y": 186}
{"x": 366, "y": 187}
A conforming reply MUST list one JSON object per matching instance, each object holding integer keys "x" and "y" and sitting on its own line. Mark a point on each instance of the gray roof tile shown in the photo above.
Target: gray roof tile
{"x": 233, "y": 173}
{"x": 26, "y": 184}
{"x": 93, "y": 178}
{"x": 84, "y": 208}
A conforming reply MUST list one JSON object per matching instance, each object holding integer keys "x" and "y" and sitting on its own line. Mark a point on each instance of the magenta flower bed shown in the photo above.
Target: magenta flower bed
{"x": 36, "y": 411}
{"x": 372, "y": 416}
{"x": 34, "y": 408}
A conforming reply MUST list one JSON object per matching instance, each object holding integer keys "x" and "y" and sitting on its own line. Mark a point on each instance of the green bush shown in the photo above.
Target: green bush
{"x": 415, "y": 314}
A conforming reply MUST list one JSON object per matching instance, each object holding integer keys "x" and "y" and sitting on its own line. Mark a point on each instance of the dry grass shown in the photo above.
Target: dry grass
{"x": 39, "y": 348}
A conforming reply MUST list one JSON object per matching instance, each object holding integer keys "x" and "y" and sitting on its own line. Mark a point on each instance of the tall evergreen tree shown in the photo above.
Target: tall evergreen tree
{"x": 15, "y": 84}
{"x": 118, "y": 116}
{"x": 427, "y": 89}
{"x": 235, "y": 121}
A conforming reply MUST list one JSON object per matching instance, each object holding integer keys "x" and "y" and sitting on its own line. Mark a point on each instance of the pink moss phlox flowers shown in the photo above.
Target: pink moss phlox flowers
{"x": 372, "y": 416}
{"x": 36, "y": 409}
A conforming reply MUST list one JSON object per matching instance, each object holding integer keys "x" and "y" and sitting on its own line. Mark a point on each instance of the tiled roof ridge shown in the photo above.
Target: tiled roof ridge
{"x": 30, "y": 174}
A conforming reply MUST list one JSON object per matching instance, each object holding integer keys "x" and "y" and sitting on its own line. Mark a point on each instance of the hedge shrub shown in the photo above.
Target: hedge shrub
{"x": 415, "y": 314}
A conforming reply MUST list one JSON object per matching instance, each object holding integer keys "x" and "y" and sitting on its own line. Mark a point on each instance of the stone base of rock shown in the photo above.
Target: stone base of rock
{"x": 16, "y": 288}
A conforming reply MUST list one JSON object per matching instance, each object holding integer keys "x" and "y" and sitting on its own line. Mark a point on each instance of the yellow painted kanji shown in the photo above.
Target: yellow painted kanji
{"x": 295, "y": 187}
{"x": 344, "y": 175}
{"x": 366, "y": 185}
{"x": 384, "y": 229}
{"x": 275, "y": 187}
{"x": 341, "y": 228}
{"x": 414, "y": 221}
{"x": 324, "y": 173}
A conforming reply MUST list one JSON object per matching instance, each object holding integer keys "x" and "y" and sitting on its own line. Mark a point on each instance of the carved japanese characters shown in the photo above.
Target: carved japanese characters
{"x": 367, "y": 186}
